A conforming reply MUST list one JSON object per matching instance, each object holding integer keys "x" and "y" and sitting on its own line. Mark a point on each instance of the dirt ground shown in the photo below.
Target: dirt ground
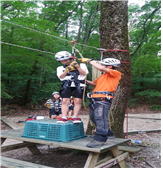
{"x": 138, "y": 119}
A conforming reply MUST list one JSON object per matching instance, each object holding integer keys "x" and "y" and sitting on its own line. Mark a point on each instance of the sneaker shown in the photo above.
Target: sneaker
{"x": 62, "y": 120}
{"x": 69, "y": 118}
{"x": 110, "y": 134}
{"x": 94, "y": 144}
{"x": 76, "y": 120}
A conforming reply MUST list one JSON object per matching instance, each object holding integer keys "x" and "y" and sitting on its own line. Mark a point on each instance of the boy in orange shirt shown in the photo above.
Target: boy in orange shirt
{"x": 101, "y": 97}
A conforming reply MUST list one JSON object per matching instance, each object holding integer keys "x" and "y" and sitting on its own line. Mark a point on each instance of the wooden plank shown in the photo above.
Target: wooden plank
{"x": 103, "y": 160}
{"x": 135, "y": 117}
{"x": 15, "y": 146}
{"x": 113, "y": 161}
{"x": 115, "y": 152}
{"x": 9, "y": 123}
{"x": 106, "y": 159}
{"x": 129, "y": 149}
{"x": 34, "y": 150}
{"x": 14, "y": 163}
{"x": 144, "y": 131}
{"x": 79, "y": 144}
{"x": 2, "y": 140}
{"x": 92, "y": 160}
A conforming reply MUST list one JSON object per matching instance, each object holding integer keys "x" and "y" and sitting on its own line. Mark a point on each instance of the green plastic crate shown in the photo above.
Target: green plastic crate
{"x": 51, "y": 130}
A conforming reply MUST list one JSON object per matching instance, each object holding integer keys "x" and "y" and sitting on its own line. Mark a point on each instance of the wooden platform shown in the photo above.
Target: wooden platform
{"x": 80, "y": 144}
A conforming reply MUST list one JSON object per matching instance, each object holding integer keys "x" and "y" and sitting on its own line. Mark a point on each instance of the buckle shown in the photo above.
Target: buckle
{"x": 89, "y": 95}
{"x": 108, "y": 97}
{"x": 103, "y": 99}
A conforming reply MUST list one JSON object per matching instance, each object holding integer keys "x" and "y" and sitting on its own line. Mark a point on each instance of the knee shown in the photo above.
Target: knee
{"x": 65, "y": 101}
{"x": 77, "y": 101}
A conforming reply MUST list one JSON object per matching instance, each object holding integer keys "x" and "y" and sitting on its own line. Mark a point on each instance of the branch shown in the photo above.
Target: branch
{"x": 143, "y": 36}
{"x": 67, "y": 16}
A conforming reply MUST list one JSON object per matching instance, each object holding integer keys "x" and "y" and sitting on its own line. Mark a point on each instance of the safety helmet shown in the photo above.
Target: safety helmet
{"x": 111, "y": 62}
{"x": 55, "y": 93}
{"x": 62, "y": 55}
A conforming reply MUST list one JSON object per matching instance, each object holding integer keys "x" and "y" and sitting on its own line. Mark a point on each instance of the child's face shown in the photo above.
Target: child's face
{"x": 66, "y": 62}
{"x": 56, "y": 96}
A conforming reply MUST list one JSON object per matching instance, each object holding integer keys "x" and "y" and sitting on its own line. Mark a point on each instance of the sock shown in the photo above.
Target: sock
{"x": 74, "y": 117}
{"x": 64, "y": 118}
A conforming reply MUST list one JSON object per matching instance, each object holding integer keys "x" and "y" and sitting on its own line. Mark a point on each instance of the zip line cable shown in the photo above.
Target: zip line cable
{"x": 27, "y": 48}
{"x": 46, "y": 33}
{"x": 54, "y": 37}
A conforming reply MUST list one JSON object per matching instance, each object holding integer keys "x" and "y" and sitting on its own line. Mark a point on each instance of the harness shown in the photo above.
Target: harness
{"x": 107, "y": 93}
{"x": 74, "y": 78}
{"x": 57, "y": 105}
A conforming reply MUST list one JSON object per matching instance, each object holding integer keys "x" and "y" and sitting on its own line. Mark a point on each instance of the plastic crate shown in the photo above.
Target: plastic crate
{"x": 50, "y": 130}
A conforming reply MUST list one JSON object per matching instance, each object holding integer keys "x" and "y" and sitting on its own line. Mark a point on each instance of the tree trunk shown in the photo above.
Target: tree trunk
{"x": 28, "y": 85}
{"x": 114, "y": 35}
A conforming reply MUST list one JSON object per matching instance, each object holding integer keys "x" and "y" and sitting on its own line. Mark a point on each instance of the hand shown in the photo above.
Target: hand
{"x": 47, "y": 105}
{"x": 70, "y": 68}
{"x": 85, "y": 60}
{"x": 74, "y": 64}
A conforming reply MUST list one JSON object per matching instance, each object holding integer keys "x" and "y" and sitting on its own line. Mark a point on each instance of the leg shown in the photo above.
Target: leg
{"x": 92, "y": 160}
{"x": 34, "y": 150}
{"x": 115, "y": 152}
{"x": 2, "y": 140}
{"x": 77, "y": 106}
{"x": 65, "y": 106}
{"x": 53, "y": 116}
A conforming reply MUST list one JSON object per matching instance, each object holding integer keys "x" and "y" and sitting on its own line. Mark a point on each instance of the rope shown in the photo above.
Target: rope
{"x": 61, "y": 38}
{"x": 27, "y": 48}
{"x": 45, "y": 33}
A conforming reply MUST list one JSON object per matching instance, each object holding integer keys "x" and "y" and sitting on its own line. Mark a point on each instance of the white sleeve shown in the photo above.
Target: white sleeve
{"x": 60, "y": 70}
{"x": 84, "y": 67}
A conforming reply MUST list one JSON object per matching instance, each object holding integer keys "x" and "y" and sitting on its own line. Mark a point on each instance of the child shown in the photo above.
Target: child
{"x": 54, "y": 105}
{"x": 102, "y": 96}
{"x": 73, "y": 77}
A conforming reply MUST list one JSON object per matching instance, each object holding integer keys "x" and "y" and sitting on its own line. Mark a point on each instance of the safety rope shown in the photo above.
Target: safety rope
{"x": 27, "y": 48}
{"x": 76, "y": 50}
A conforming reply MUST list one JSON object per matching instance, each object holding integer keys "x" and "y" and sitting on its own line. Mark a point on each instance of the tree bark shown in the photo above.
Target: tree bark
{"x": 114, "y": 35}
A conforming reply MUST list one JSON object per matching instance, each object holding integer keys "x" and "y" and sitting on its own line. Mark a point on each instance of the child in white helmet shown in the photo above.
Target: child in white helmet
{"x": 54, "y": 105}
{"x": 101, "y": 97}
{"x": 73, "y": 77}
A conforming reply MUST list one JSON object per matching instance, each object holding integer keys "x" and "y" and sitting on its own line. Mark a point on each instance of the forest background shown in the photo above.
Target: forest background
{"x": 33, "y": 31}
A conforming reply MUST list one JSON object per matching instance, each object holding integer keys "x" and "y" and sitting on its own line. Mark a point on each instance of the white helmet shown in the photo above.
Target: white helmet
{"x": 55, "y": 93}
{"x": 62, "y": 55}
{"x": 111, "y": 62}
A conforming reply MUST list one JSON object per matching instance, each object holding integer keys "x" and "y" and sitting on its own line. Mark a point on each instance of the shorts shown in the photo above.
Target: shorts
{"x": 71, "y": 108}
{"x": 68, "y": 93}
{"x": 53, "y": 112}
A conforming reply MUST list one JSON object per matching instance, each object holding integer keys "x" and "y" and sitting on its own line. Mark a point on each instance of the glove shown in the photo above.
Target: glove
{"x": 85, "y": 60}
{"x": 70, "y": 68}
{"x": 74, "y": 64}
{"x": 47, "y": 105}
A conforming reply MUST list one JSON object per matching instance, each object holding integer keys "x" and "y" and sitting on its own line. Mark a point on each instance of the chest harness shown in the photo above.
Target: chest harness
{"x": 57, "y": 105}
{"x": 74, "y": 78}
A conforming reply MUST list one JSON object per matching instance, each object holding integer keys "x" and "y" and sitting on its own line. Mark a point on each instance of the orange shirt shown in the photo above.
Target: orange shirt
{"x": 107, "y": 82}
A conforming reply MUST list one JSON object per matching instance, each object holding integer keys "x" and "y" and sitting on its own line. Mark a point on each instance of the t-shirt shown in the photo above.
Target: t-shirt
{"x": 61, "y": 69}
{"x": 107, "y": 82}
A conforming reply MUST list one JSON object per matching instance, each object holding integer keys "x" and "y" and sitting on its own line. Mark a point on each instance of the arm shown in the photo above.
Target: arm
{"x": 99, "y": 67}
{"x": 91, "y": 83}
{"x": 63, "y": 75}
{"x": 81, "y": 71}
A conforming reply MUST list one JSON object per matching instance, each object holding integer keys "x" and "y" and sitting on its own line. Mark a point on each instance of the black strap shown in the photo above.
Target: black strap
{"x": 103, "y": 92}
